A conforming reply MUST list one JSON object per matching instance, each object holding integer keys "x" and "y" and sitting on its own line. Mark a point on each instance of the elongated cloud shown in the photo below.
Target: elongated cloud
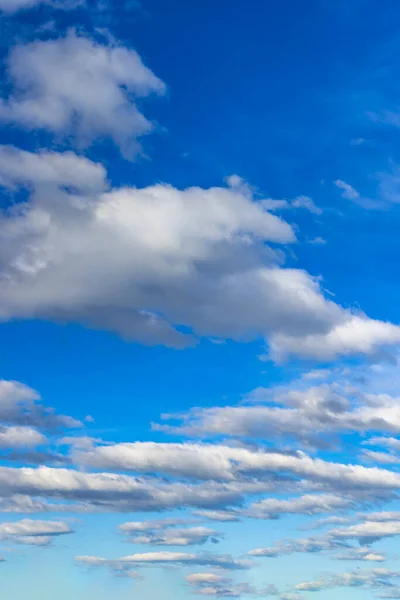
{"x": 310, "y": 416}
{"x": 31, "y": 532}
{"x": 224, "y": 561}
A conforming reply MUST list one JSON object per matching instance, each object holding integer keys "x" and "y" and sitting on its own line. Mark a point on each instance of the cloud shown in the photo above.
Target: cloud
{"x": 384, "y": 458}
{"x": 298, "y": 202}
{"x": 192, "y": 536}
{"x": 166, "y": 532}
{"x": 302, "y": 545}
{"x": 204, "y": 264}
{"x": 104, "y": 492}
{"x": 223, "y": 561}
{"x": 333, "y": 520}
{"x": 368, "y": 532}
{"x": 226, "y": 463}
{"x": 310, "y": 416}
{"x": 348, "y": 191}
{"x": 20, "y": 437}
{"x": 20, "y": 406}
{"x": 211, "y": 584}
{"x": 318, "y": 241}
{"x": 307, "y": 203}
{"x": 304, "y": 505}
{"x": 382, "y": 516}
{"x": 387, "y": 442}
{"x": 31, "y": 532}
{"x": 372, "y": 579}
{"x": 45, "y": 170}
{"x": 223, "y": 516}
{"x": 362, "y": 554}
{"x": 356, "y": 335}
{"x": 77, "y": 87}
{"x": 155, "y": 525}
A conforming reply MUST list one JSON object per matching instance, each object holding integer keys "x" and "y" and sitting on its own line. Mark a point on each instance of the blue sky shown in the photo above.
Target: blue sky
{"x": 199, "y": 323}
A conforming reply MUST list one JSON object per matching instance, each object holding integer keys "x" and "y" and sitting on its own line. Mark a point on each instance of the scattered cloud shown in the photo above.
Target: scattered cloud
{"x": 368, "y": 532}
{"x": 20, "y": 406}
{"x": 211, "y": 584}
{"x": 223, "y": 561}
{"x": 302, "y": 545}
{"x": 31, "y": 532}
{"x": 372, "y": 579}
{"x": 166, "y": 533}
{"x": 348, "y": 191}
{"x": 78, "y": 87}
{"x": 307, "y": 203}
{"x": 312, "y": 416}
{"x": 223, "y": 516}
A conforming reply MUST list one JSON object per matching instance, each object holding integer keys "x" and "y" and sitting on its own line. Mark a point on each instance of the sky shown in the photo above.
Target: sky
{"x": 199, "y": 299}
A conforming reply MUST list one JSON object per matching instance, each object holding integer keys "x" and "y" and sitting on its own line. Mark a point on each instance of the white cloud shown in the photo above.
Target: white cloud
{"x": 387, "y": 442}
{"x": 310, "y": 416}
{"x": 20, "y": 437}
{"x": 75, "y": 86}
{"x": 190, "y": 536}
{"x": 211, "y": 584}
{"x": 224, "y": 561}
{"x": 31, "y": 532}
{"x": 143, "y": 261}
{"x": 166, "y": 532}
{"x": 46, "y": 170}
{"x": 374, "y": 578}
{"x": 105, "y": 492}
{"x": 226, "y": 463}
{"x": 307, "y": 545}
{"x": 223, "y": 516}
{"x": 20, "y": 405}
{"x": 298, "y": 202}
{"x": 307, "y": 203}
{"x": 384, "y": 458}
{"x": 309, "y": 504}
{"x": 362, "y": 554}
{"x": 367, "y": 532}
{"x": 348, "y": 191}
{"x": 155, "y": 525}
{"x": 357, "y": 334}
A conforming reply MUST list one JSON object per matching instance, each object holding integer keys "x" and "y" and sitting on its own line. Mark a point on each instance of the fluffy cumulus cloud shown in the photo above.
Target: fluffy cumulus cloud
{"x": 144, "y": 262}
{"x": 75, "y": 86}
